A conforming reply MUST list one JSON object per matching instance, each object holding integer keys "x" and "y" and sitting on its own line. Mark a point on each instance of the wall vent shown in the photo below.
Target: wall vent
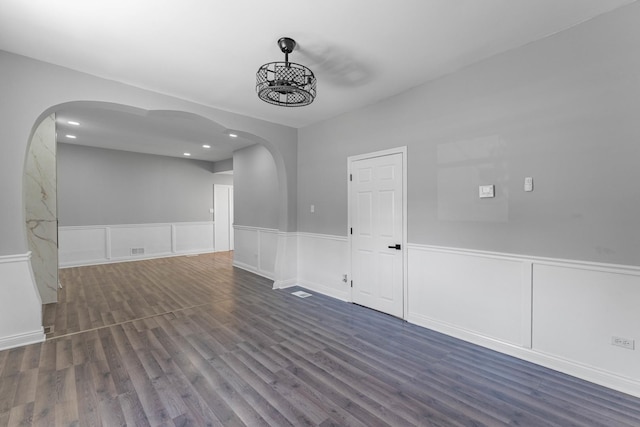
{"x": 137, "y": 251}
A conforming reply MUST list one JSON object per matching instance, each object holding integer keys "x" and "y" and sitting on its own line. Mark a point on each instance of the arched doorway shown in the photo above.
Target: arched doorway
{"x": 216, "y": 130}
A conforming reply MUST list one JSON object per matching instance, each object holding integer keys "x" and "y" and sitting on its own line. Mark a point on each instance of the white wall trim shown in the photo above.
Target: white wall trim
{"x": 326, "y": 290}
{"x": 558, "y": 262}
{"x": 252, "y": 228}
{"x": 20, "y": 340}
{"x": 323, "y": 236}
{"x": 256, "y": 249}
{"x": 5, "y": 259}
{"x": 542, "y": 338}
{"x": 20, "y": 303}
{"x": 104, "y": 244}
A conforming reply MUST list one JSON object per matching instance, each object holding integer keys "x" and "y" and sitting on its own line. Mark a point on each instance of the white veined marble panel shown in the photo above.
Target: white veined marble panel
{"x": 41, "y": 210}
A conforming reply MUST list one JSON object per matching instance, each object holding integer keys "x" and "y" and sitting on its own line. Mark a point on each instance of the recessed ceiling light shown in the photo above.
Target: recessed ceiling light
{"x": 233, "y": 135}
{"x": 71, "y": 136}
{"x": 187, "y": 154}
{"x": 206, "y": 146}
{"x": 71, "y": 122}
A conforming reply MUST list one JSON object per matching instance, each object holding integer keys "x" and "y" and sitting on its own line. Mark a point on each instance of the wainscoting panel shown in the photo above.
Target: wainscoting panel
{"x": 268, "y": 241}
{"x": 190, "y": 237}
{"x": 255, "y": 249}
{"x": 83, "y": 245}
{"x": 577, "y": 312}
{"x": 152, "y": 239}
{"x": 20, "y": 303}
{"x": 286, "y": 268}
{"x": 87, "y": 245}
{"x": 322, "y": 262}
{"x": 481, "y": 295}
{"x": 562, "y": 314}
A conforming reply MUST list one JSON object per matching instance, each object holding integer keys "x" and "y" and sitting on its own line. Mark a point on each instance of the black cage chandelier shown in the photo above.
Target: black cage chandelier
{"x": 286, "y": 83}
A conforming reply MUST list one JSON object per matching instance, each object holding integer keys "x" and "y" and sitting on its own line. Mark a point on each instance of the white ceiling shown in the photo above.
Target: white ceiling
{"x": 165, "y": 133}
{"x": 208, "y": 51}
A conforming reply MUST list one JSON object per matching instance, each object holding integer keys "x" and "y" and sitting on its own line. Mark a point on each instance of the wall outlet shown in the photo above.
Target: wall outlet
{"x": 623, "y": 342}
{"x": 137, "y": 251}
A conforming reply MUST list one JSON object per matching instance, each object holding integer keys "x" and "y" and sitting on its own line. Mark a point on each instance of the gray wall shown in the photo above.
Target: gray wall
{"x": 563, "y": 110}
{"x": 106, "y": 187}
{"x": 255, "y": 188}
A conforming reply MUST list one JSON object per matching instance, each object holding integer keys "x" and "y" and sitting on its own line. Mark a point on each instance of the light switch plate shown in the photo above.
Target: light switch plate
{"x": 485, "y": 191}
{"x": 528, "y": 184}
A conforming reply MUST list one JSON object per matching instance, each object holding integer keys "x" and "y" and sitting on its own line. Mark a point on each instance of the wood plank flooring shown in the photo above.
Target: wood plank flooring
{"x": 193, "y": 341}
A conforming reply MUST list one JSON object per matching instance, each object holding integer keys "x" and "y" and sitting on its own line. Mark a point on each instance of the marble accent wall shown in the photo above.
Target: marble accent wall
{"x": 40, "y": 209}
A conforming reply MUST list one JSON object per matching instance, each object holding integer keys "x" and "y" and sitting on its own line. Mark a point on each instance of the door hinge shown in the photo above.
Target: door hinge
{"x": 352, "y": 283}
{"x": 351, "y": 230}
{"x": 350, "y": 177}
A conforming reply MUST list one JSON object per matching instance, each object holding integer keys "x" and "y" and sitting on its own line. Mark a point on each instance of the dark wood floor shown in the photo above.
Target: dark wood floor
{"x": 192, "y": 341}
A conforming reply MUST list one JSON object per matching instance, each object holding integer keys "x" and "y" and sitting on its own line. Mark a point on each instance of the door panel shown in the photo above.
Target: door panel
{"x": 223, "y": 217}
{"x": 376, "y": 199}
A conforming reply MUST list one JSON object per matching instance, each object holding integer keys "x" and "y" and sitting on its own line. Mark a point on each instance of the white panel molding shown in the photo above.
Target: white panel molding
{"x": 9, "y": 259}
{"x": 528, "y": 350}
{"x": 256, "y": 250}
{"x": 323, "y": 236}
{"x": 322, "y": 261}
{"x": 107, "y": 239}
{"x": 102, "y": 244}
{"x": 527, "y": 304}
{"x": 559, "y": 262}
{"x": 286, "y": 263}
{"x": 20, "y": 303}
{"x": 174, "y": 247}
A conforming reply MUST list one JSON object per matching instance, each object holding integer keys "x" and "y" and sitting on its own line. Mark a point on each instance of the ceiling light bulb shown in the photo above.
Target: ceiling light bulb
{"x": 71, "y": 136}
{"x": 206, "y": 146}
{"x": 233, "y": 135}
{"x": 73, "y": 123}
{"x": 187, "y": 154}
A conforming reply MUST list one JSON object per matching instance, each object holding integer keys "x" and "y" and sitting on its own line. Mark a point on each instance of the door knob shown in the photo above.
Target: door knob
{"x": 396, "y": 247}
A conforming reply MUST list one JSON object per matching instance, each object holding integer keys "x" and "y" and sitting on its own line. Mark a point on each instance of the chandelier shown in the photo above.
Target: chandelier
{"x": 286, "y": 83}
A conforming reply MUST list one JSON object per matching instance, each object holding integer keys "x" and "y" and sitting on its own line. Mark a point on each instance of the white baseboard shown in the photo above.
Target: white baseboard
{"x": 252, "y": 269}
{"x": 284, "y": 284}
{"x": 22, "y": 339}
{"x": 326, "y": 290}
{"x": 86, "y": 263}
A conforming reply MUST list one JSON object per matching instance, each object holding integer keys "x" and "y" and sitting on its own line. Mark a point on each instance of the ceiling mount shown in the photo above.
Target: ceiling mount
{"x": 286, "y": 83}
{"x": 286, "y": 45}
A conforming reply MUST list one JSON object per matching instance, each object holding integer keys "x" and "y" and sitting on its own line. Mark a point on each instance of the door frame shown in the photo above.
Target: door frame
{"x": 230, "y": 211}
{"x": 350, "y": 160}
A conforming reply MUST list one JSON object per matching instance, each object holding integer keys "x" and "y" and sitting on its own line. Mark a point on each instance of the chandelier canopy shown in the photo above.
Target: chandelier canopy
{"x": 286, "y": 83}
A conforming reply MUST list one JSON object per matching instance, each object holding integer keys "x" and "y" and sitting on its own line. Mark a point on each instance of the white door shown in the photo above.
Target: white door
{"x": 231, "y": 237}
{"x": 223, "y": 217}
{"x": 377, "y": 232}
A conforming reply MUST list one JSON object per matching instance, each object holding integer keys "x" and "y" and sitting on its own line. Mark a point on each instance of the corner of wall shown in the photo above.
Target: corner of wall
{"x": 20, "y": 304}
